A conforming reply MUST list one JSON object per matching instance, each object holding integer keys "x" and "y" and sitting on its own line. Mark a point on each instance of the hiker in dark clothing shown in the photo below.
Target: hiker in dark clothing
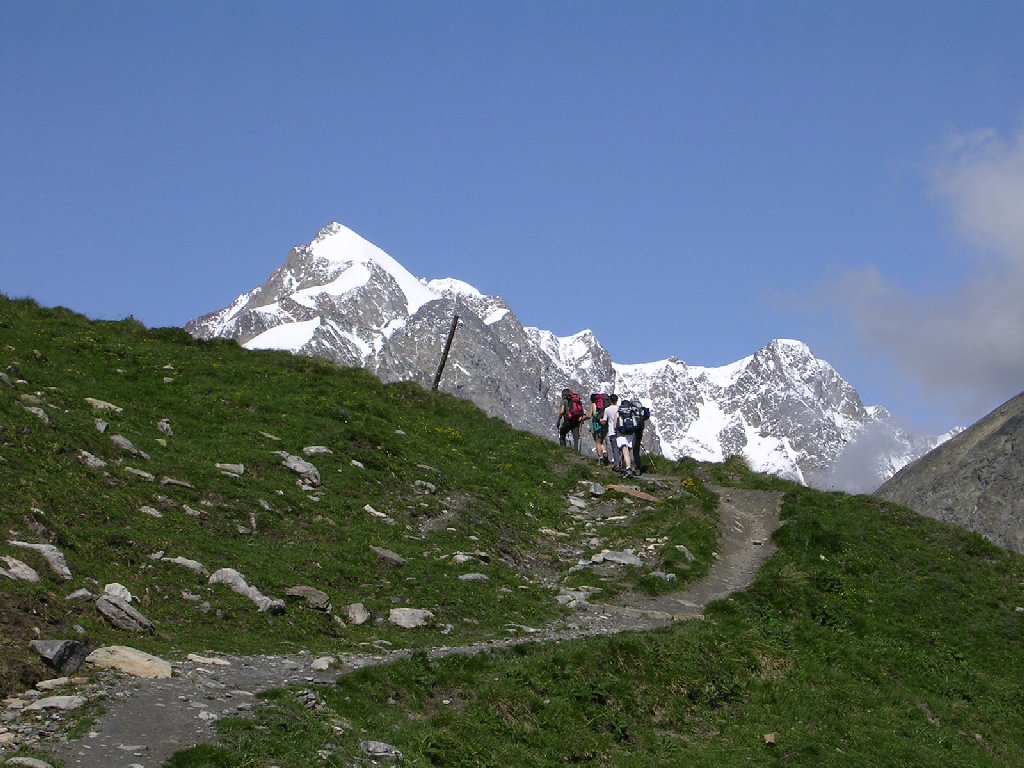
{"x": 638, "y": 437}
{"x": 569, "y": 419}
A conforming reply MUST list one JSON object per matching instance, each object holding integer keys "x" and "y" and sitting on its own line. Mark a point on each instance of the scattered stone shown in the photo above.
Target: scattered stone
{"x": 164, "y": 425}
{"x": 53, "y": 684}
{"x": 38, "y": 412}
{"x": 141, "y": 474}
{"x": 184, "y": 562}
{"x": 63, "y": 703}
{"x": 378, "y": 750}
{"x": 126, "y": 445}
{"x": 53, "y": 556}
{"x": 101, "y": 426}
{"x": 577, "y": 502}
{"x": 237, "y": 582}
{"x": 664, "y": 576}
{"x": 27, "y": 762}
{"x": 315, "y": 599}
{"x": 322, "y": 664}
{"x": 6, "y": 380}
{"x": 122, "y": 615}
{"x": 18, "y": 571}
{"x": 357, "y": 614}
{"x": 317, "y": 450}
{"x": 130, "y": 661}
{"x": 422, "y": 486}
{"x": 622, "y": 558}
{"x": 91, "y": 461}
{"x": 358, "y": 464}
{"x": 175, "y": 482}
{"x": 686, "y": 553}
{"x": 269, "y": 436}
{"x": 81, "y": 594}
{"x": 151, "y": 511}
{"x": 103, "y": 405}
{"x": 65, "y": 656}
{"x": 410, "y": 618}
{"x": 119, "y": 591}
{"x": 231, "y": 469}
{"x": 392, "y": 558}
{"x": 197, "y": 659}
{"x": 473, "y": 577}
{"x": 301, "y": 467}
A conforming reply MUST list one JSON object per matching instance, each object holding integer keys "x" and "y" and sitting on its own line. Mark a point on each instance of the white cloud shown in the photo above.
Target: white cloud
{"x": 964, "y": 346}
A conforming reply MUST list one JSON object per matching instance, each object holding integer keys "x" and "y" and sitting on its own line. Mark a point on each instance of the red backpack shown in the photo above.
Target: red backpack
{"x": 573, "y": 407}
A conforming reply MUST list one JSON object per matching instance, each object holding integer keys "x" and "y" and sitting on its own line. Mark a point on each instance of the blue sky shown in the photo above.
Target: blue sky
{"x": 690, "y": 178}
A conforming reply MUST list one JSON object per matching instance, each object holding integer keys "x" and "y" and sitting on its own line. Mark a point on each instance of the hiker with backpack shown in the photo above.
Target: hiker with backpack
{"x": 623, "y": 424}
{"x": 598, "y": 402}
{"x": 610, "y": 420}
{"x": 570, "y": 416}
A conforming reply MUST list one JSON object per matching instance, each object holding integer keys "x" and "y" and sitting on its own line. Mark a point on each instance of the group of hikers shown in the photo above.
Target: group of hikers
{"x": 617, "y": 428}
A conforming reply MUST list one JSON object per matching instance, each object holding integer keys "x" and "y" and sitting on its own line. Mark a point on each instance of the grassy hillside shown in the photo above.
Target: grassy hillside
{"x": 873, "y": 637}
{"x": 440, "y": 477}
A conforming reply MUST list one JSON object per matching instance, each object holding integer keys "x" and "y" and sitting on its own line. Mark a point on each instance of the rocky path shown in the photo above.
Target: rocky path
{"x": 146, "y": 721}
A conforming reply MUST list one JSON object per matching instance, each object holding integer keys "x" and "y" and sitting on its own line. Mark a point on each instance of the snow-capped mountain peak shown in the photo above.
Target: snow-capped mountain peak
{"x": 339, "y": 246}
{"x": 786, "y": 411}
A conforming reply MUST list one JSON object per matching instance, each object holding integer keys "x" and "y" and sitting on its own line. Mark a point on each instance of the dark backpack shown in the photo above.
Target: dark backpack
{"x": 642, "y": 413}
{"x": 629, "y": 418}
{"x": 573, "y": 407}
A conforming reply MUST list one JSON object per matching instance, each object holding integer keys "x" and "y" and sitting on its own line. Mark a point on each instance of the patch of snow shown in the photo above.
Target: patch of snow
{"x": 495, "y": 316}
{"x": 451, "y": 286}
{"x": 290, "y": 336}
{"x": 338, "y": 244}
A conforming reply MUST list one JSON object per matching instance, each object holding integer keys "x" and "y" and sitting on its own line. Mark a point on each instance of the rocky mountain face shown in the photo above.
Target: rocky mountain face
{"x": 974, "y": 480}
{"x": 342, "y": 298}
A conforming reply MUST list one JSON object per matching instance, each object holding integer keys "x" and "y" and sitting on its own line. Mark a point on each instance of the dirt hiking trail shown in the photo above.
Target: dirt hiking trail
{"x": 147, "y": 721}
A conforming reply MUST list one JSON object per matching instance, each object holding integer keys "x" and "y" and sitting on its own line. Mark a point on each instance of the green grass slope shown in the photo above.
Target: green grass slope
{"x": 448, "y": 479}
{"x": 873, "y": 637}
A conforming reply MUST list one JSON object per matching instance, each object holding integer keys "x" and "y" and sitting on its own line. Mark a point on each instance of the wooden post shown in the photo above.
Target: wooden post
{"x": 447, "y": 348}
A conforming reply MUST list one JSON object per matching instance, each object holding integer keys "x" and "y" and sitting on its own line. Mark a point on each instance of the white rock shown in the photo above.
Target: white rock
{"x": 119, "y": 591}
{"x": 53, "y": 556}
{"x": 103, "y": 405}
{"x": 317, "y": 450}
{"x": 184, "y": 562}
{"x": 232, "y": 469}
{"x": 196, "y": 658}
{"x": 91, "y": 461}
{"x": 237, "y": 582}
{"x": 56, "y": 702}
{"x": 129, "y": 660}
{"x": 52, "y": 684}
{"x": 410, "y": 618}
{"x": 38, "y": 412}
{"x": 357, "y": 614}
{"x": 18, "y": 571}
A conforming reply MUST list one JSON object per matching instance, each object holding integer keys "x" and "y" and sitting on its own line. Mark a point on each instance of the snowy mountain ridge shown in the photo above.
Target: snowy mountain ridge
{"x": 345, "y": 299}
